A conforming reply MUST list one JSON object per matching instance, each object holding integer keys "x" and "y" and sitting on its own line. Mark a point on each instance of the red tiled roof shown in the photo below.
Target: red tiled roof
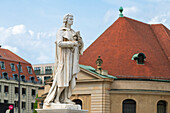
{"x": 126, "y": 37}
{"x": 9, "y": 57}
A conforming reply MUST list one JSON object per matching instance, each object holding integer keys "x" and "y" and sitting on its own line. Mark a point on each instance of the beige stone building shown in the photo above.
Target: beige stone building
{"x": 132, "y": 74}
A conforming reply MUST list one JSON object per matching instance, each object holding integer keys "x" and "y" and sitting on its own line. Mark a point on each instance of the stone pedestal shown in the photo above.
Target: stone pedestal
{"x": 61, "y": 108}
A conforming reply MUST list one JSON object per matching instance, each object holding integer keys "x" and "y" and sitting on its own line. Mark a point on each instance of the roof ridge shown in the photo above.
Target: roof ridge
{"x": 133, "y": 26}
{"x": 159, "y": 42}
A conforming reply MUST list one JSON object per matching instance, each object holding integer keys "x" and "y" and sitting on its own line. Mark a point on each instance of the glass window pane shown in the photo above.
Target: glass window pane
{"x": 129, "y": 106}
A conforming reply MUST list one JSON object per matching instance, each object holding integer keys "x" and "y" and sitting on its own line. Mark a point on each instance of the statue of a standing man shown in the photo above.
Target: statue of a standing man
{"x": 69, "y": 46}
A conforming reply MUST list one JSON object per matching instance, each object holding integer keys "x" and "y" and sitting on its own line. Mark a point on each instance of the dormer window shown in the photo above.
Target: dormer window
{"x": 5, "y": 75}
{"x": 139, "y": 57}
{"x": 23, "y": 78}
{"x": 20, "y": 67}
{"x": 12, "y": 67}
{"x": 15, "y": 76}
{"x": 32, "y": 79}
{"x": 29, "y": 69}
{"x": 2, "y": 65}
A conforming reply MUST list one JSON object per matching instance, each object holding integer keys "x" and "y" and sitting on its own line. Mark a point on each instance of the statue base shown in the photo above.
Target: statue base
{"x": 61, "y": 108}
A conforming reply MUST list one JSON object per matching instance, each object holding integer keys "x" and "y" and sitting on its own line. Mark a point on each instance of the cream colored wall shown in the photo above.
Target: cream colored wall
{"x": 134, "y": 84}
{"x": 144, "y": 103}
{"x": 145, "y": 93}
{"x": 11, "y": 96}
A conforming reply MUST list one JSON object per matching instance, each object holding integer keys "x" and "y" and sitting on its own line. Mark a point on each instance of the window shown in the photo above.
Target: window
{"x": 46, "y": 77}
{"x": 32, "y": 106}
{"x": 12, "y": 67}
{"x": 33, "y": 92}
{"x": 29, "y": 69}
{"x": 161, "y": 107}
{"x": 23, "y": 91}
{"x": 6, "y": 101}
{"x": 20, "y": 68}
{"x": 37, "y": 70}
{"x": 2, "y": 65}
{"x": 32, "y": 79}
{"x": 5, "y": 75}
{"x": 139, "y": 57}
{"x": 23, "y": 78}
{"x": 78, "y": 101}
{"x": 129, "y": 106}
{"x": 15, "y": 76}
{"x": 0, "y": 88}
{"x": 16, "y": 104}
{"x": 48, "y": 70}
{"x": 6, "y": 89}
{"x": 23, "y": 105}
{"x": 16, "y": 90}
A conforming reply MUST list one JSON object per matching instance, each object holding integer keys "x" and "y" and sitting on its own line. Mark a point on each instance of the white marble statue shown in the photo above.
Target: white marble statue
{"x": 69, "y": 46}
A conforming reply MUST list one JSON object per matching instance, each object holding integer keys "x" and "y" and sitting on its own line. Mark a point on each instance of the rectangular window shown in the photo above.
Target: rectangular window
{"x": 24, "y": 91}
{"x": 6, "y": 89}
{"x": 12, "y": 67}
{"x": 48, "y": 70}
{"x": 46, "y": 77}
{"x": 20, "y": 67}
{"x": 29, "y": 69}
{"x": 33, "y": 92}
{"x": 6, "y": 101}
{"x": 23, "y": 105}
{"x": 32, "y": 106}
{"x": 16, "y": 90}
{"x": 2, "y": 65}
{"x": 16, "y": 104}
{"x": 0, "y": 88}
{"x": 37, "y": 70}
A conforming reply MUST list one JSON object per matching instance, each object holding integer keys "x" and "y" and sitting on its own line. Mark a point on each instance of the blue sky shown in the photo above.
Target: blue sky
{"x": 28, "y": 27}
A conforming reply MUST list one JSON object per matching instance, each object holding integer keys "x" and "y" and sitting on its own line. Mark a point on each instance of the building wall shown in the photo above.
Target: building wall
{"x": 99, "y": 95}
{"x": 11, "y": 96}
{"x": 145, "y": 103}
{"x": 43, "y": 73}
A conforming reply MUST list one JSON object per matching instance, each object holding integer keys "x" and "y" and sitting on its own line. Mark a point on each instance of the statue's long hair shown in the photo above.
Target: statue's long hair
{"x": 65, "y": 19}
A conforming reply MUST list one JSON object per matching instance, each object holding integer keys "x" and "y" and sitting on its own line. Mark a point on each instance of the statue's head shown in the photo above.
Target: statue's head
{"x": 68, "y": 19}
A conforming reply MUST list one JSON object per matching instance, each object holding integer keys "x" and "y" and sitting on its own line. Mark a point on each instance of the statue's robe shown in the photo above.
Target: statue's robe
{"x": 66, "y": 64}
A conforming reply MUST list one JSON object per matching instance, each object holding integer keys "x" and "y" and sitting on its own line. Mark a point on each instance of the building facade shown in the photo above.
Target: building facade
{"x": 43, "y": 71}
{"x": 9, "y": 71}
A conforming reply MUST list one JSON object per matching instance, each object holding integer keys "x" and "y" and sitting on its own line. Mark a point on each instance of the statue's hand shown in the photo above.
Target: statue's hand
{"x": 75, "y": 43}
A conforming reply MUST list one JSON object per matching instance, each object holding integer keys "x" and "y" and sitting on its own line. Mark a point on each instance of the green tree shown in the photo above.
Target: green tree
{"x": 35, "y": 104}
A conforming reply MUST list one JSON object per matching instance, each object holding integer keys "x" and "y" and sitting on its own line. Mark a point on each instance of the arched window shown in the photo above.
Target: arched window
{"x": 129, "y": 106}
{"x": 161, "y": 106}
{"x": 78, "y": 101}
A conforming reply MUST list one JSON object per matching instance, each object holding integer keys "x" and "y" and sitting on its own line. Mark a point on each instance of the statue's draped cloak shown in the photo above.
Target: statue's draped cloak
{"x": 66, "y": 64}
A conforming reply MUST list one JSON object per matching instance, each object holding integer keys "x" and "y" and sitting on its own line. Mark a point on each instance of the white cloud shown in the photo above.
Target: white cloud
{"x": 18, "y": 29}
{"x": 43, "y": 58}
{"x": 161, "y": 19}
{"x": 13, "y": 49}
{"x": 110, "y": 16}
{"x": 35, "y": 47}
{"x": 130, "y": 10}
{"x": 31, "y": 32}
